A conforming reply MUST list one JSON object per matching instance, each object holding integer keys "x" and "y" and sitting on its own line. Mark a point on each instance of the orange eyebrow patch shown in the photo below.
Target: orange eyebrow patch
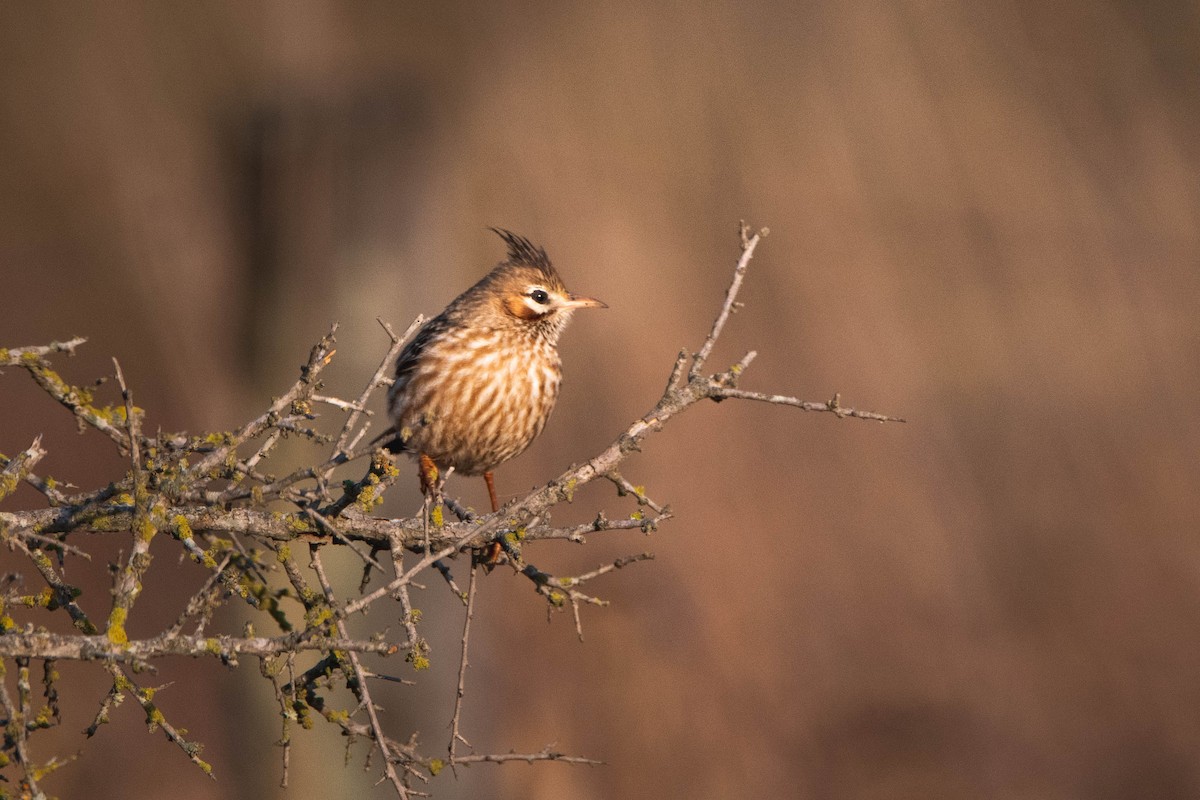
{"x": 515, "y": 304}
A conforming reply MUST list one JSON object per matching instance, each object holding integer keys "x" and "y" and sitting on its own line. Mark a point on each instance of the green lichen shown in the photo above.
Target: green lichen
{"x": 304, "y": 718}
{"x": 145, "y": 529}
{"x": 8, "y": 484}
{"x": 435, "y": 766}
{"x": 41, "y": 560}
{"x": 418, "y": 656}
{"x": 384, "y": 465}
{"x": 154, "y": 717}
{"x": 368, "y": 498}
{"x": 316, "y": 617}
{"x": 437, "y": 517}
{"x": 297, "y": 524}
{"x": 556, "y": 599}
{"x": 44, "y": 718}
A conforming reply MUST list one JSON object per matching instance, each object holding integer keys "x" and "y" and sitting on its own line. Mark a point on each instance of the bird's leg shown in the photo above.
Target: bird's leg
{"x": 428, "y": 473}
{"x": 492, "y": 555}
{"x": 491, "y": 484}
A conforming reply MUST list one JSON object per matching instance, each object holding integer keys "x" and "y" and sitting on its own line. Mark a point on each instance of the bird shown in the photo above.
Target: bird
{"x": 476, "y": 384}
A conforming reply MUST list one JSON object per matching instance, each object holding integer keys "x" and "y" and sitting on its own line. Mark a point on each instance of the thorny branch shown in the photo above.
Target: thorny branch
{"x": 241, "y": 526}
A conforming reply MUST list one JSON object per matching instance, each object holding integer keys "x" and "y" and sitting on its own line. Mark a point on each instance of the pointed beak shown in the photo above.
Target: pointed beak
{"x": 583, "y": 302}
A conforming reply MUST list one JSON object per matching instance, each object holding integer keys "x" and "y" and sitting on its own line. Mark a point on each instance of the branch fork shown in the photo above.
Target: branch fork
{"x": 211, "y": 495}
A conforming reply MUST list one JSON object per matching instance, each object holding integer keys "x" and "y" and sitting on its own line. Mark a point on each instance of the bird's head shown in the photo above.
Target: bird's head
{"x": 529, "y": 291}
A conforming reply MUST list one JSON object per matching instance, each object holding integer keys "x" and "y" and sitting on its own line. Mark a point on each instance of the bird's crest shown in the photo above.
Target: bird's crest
{"x": 522, "y": 251}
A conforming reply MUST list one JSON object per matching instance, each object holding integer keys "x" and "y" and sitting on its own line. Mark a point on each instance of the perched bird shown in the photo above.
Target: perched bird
{"x": 476, "y": 384}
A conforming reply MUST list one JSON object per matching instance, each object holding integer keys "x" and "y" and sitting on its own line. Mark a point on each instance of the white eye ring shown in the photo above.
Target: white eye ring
{"x": 539, "y": 295}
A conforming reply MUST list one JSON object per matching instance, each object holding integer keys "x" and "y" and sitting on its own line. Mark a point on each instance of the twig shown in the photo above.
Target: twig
{"x": 389, "y": 359}
{"x": 13, "y": 356}
{"x": 304, "y": 388}
{"x": 833, "y": 406}
{"x": 144, "y": 527}
{"x": 224, "y": 512}
{"x": 155, "y": 719}
{"x": 455, "y": 736}
{"x": 364, "y": 694}
{"x": 17, "y": 468}
{"x": 15, "y": 728}
{"x": 545, "y": 755}
{"x": 739, "y": 272}
{"x": 226, "y": 648}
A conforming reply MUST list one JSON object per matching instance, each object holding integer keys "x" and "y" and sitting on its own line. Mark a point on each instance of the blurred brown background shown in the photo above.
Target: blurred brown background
{"x": 985, "y": 218}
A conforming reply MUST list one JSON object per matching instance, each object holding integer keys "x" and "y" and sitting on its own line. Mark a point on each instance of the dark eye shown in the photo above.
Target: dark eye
{"x": 539, "y": 296}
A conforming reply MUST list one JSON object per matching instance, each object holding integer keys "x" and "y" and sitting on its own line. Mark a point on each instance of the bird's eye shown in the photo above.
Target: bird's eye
{"x": 539, "y": 296}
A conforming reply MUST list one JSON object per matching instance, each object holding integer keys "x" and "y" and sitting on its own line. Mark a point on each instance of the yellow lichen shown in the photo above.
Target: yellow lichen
{"x": 116, "y": 626}
{"x": 182, "y": 528}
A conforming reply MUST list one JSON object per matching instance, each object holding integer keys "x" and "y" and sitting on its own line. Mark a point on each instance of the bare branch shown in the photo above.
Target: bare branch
{"x": 14, "y": 356}
{"x": 364, "y": 694}
{"x": 16, "y": 469}
{"x": 303, "y": 389}
{"x": 224, "y": 648}
{"x": 833, "y": 406}
{"x": 389, "y": 359}
{"x": 547, "y": 754}
{"x": 212, "y": 493}
{"x": 749, "y": 243}
{"x": 455, "y": 735}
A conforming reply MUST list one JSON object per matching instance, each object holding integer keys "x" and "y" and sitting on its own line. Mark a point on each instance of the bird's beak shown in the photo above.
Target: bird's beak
{"x": 583, "y": 302}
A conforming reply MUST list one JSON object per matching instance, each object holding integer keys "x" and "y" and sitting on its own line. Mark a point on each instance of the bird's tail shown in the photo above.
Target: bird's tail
{"x": 391, "y": 441}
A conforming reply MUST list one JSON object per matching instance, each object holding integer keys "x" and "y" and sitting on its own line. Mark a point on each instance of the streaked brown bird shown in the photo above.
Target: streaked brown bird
{"x": 477, "y": 382}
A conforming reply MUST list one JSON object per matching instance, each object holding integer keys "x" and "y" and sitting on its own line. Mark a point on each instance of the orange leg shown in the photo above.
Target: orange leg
{"x": 493, "y": 551}
{"x": 428, "y": 474}
{"x": 491, "y": 483}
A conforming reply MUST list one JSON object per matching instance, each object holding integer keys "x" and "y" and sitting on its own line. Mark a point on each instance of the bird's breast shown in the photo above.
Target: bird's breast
{"x": 476, "y": 398}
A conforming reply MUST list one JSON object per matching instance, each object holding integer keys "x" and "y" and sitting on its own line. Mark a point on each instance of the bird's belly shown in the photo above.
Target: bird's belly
{"x": 479, "y": 415}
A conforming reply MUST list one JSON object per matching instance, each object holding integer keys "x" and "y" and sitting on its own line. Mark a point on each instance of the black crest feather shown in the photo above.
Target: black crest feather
{"x": 523, "y": 251}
